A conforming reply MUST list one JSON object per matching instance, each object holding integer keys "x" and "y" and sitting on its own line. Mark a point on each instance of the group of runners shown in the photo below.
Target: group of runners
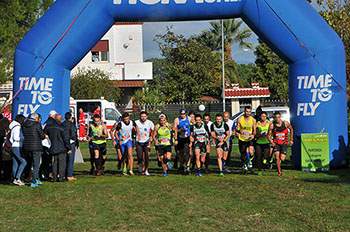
{"x": 192, "y": 136}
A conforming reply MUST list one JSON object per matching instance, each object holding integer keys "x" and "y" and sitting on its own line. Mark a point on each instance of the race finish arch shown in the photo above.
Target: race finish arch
{"x": 292, "y": 28}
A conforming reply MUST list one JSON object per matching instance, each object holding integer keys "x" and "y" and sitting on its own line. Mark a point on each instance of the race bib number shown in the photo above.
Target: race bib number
{"x": 126, "y": 137}
{"x": 164, "y": 140}
{"x": 200, "y": 138}
{"x": 280, "y": 136}
{"x": 246, "y": 133}
{"x": 221, "y": 136}
{"x": 143, "y": 134}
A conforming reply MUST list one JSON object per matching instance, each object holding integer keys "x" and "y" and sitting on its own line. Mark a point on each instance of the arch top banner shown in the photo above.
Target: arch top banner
{"x": 292, "y": 28}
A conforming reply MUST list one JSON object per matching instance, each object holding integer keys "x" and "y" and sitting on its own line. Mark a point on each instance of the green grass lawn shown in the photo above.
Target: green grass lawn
{"x": 297, "y": 201}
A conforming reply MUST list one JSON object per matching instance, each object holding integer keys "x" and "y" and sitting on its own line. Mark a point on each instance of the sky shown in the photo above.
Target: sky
{"x": 150, "y": 30}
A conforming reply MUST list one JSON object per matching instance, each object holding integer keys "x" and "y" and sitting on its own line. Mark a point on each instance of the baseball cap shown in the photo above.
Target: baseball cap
{"x": 161, "y": 116}
{"x": 182, "y": 111}
{"x": 52, "y": 113}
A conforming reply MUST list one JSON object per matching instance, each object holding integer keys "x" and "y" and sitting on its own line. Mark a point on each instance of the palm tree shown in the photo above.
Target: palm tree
{"x": 232, "y": 35}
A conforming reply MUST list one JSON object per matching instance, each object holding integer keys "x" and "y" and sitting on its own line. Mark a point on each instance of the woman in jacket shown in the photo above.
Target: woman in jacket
{"x": 19, "y": 163}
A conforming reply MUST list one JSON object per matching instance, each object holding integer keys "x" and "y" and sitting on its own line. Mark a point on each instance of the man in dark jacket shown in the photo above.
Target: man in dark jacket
{"x": 60, "y": 146}
{"x": 71, "y": 132}
{"x": 33, "y": 135}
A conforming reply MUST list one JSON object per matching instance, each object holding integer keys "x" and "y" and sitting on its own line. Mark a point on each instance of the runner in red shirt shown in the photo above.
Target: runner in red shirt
{"x": 279, "y": 131}
{"x": 97, "y": 111}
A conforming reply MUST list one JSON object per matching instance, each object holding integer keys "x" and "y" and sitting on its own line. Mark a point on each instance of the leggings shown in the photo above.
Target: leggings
{"x": 262, "y": 150}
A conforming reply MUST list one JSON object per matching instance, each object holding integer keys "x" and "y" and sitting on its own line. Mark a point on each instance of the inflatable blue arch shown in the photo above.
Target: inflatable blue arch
{"x": 292, "y": 28}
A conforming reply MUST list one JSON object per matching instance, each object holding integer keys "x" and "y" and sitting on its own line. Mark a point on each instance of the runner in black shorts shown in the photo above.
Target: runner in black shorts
{"x": 162, "y": 137}
{"x": 246, "y": 129}
{"x": 279, "y": 130}
{"x": 220, "y": 133}
{"x": 199, "y": 138}
{"x": 98, "y": 130}
{"x": 262, "y": 148}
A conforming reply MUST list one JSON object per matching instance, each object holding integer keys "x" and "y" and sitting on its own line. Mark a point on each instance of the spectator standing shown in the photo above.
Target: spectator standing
{"x": 70, "y": 132}
{"x": 16, "y": 139}
{"x": 4, "y": 127}
{"x": 59, "y": 148}
{"x": 46, "y": 163}
{"x": 33, "y": 136}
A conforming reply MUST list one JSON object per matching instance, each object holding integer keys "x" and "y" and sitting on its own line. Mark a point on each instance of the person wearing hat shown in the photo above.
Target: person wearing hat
{"x": 182, "y": 134}
{"x": 46, "y": 159}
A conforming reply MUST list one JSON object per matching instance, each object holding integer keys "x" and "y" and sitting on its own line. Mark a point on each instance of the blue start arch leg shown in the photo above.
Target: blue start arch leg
{"x": 317, "y": 102}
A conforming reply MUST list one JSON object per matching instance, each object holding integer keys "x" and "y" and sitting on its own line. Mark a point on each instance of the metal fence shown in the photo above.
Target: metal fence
{"x": 172, "y": 109}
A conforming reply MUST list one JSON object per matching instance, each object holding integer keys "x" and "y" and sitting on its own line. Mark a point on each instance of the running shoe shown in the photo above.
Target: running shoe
{"x": 98, "y": 173}
{"x": 169, "y": 165}
{"x": 260, "y": 173}
{"x": 20, "y": 183}
{"x": 38, "y": 182}
{"x": 221, "y": 173}
{"x": 265, "y": 161}
{"x": 199, "y": 174}
{"x": 32, "y": 185}
{"x": 125, "y": 172}
{"x": 165, "y": 175}
{"x": 147, "y": 173}
{"x": 280, "y": 174}
{"x": 140, "y": 167}
{"x": 131, "y": 173}
{"x": 227, "y": 170}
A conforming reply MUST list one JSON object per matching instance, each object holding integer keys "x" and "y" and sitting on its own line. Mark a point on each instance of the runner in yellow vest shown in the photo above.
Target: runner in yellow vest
{"x": 98, "y": 131}
{"x": 262, "y": 148}
{"x": 246, "y": 129}
{"x": 162, "y": 139}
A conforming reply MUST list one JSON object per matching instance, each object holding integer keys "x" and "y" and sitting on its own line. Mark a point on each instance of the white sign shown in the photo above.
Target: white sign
{"x": 319, "y": 90}
{"x": 41, "y": 91}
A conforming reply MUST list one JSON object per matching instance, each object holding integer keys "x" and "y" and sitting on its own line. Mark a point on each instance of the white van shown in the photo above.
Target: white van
{"x": 109, "y": 113}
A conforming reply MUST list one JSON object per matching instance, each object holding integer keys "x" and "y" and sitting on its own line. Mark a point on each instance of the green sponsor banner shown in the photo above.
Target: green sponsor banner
{"x": 315, "y": 152}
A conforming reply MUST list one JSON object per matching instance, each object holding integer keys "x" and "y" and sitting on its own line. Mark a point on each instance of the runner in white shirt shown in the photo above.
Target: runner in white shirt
{"x": 143, "y": 142}
{"x": 206, "y": 120}
{"x": 123, "y": 133}
{"x": 230, "y": 123}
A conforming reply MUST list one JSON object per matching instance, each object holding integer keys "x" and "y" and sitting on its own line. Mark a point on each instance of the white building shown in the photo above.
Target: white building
{"x": 120, "y": 53}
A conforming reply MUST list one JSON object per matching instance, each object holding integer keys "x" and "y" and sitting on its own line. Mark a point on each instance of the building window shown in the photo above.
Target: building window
{"x": 99, "y": 56}
{"x": 100, "y": 52}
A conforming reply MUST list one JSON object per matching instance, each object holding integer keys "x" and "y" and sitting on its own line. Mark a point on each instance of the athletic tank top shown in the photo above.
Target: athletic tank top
{"x": 219, "y": 131}
{"x": 145, "y": 128}
{"x": 280, "y": 134}
{"x": 263, "y": 130}
{"x": 98, "y": 140}
{"x": 200, "y": 134}
{"x": 184, "y": 128}
{"x": 164, "y": 135}
{"x": 246, "y": 129}
{"x": 125, "y": 132}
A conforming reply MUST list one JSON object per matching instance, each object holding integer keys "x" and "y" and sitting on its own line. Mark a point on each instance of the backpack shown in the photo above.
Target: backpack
{"x": 8, "y": 144}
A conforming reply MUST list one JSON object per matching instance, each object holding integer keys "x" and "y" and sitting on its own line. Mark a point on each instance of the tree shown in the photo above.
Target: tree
{"x": 153, "y": 99}
{"x": 337, "y": 15}
{"x": 92, "y": 84}
{"x": 232, "y": 34}
{"x": 271, "y": 71}
{"x": 16, "y": 19}
{"x": 189, "y": 68}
